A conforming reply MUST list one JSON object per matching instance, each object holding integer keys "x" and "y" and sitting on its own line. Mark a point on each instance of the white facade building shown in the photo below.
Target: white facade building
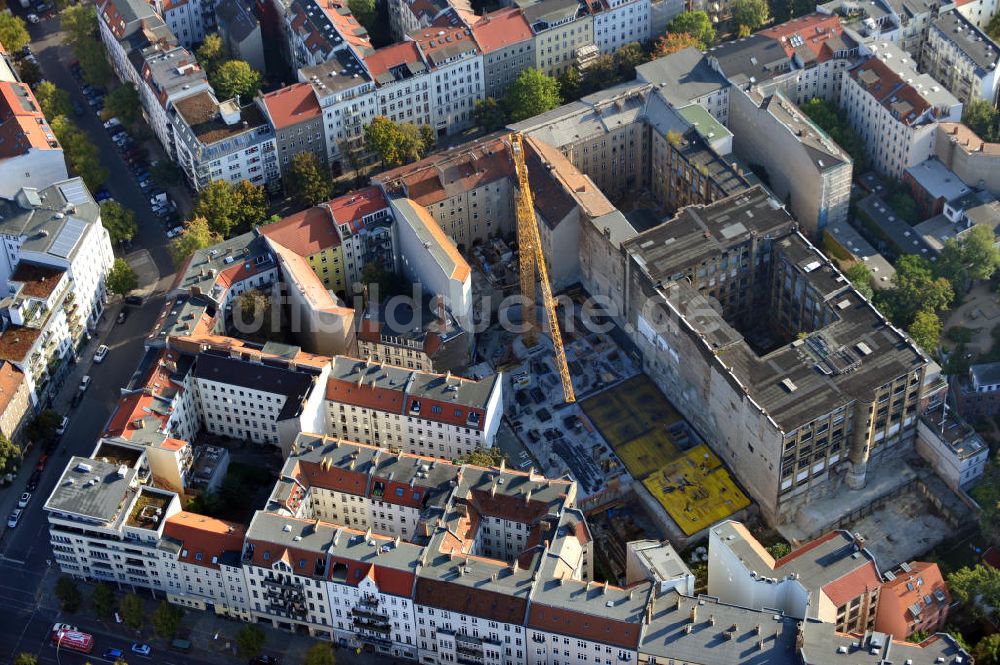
{"x": 621, "y": 22}
{"x": 457, "y": 80}
{"x": 962, "y": 58}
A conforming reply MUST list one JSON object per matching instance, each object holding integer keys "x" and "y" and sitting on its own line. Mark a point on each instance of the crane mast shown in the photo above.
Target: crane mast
{"x": 531, "y": 259}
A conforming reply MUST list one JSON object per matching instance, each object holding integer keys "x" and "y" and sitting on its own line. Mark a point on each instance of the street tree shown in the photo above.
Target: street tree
{"x": 68, "y": 594}
{"x": 30, "y": 72}
{"x": 94, "y": 62}
{"x": 165, "y": 173}
{"x": 119, "y": 221}
{"x": 133, "y": 611}
{"x": 122, "y": 103}
{"x": 54, "y": 101}
{"x": 531, "y": 93}
{"x": 308, "y": 181}
{"x": 79, "y": 23}
{"x": 364, "y": 12}
{"x": 320, "y": 653}
{"x": 428, "y": 140}
{"x": 227, "y": 207}
{"x": 25, "y": 658}
{"x": 235, "y": 78}
{"x": 251, "y": 201}
{"x": 987, "y": 650}
{"x": 43, "y": 427}
{"x": 196, "y": 235}
{"x": 81, "y": 154}
{"x": 695, "y": 23}
{"x": 13, "y": 33}
{"x": 978, "y": 588}
{"x": 250, "y": 641}
{"x": 10, "y": 455}
{"x": 103, "y": 600}
{"x": 122, "y": 279}
{"x": 489, "y": 114}
{"x": 751, "y": 13}
{"x": 926, "y": 330}
{"x": 861, "y": 277}
{"x": 395, "y": 144}
{"x": 672, "y": 42}
{"x": 167, "y": 620}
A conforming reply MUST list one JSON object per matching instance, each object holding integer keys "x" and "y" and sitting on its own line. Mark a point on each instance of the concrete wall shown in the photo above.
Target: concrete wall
{"x": 979, "y": 167}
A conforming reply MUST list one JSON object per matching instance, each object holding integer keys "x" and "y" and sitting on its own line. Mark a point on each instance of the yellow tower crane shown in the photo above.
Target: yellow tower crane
{"x": 531, "y": 258}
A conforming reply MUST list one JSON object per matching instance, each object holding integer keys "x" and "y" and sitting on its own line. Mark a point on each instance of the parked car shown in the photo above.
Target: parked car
{"x": 102, "y": 195}
{"x": 84, "y": 384}
{"x": 112, "y": 123}
{"x": 33, "y": 480}
{"x": 113, "y": 654}
{"x": 102, "y": 353}
{"x": 141, "y": 649}
{"x": 62, "y": 426}
{"x": 24, "y": 500}
{"x": 33, "y": 18}
{"x": 41, "y": 465}
{"x": 174, "y": 232}
{"x": 137, "y": 301}
{"x": 63, "y": 627}
{"x": 122, "y": 315}
{"x": 14, "y": 518}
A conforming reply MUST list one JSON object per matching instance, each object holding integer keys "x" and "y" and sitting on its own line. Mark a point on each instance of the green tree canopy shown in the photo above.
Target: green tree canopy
{"x": 43, "y": 427}
{"x": 628, "y": 57}
{"x": 751, "y": 13}
{"x": 987, "y": 490}
{"x": 926, "y": 330}
{"x": 364, "y": 12}
{"x": 166, "y": 174}
{"x": 977, "y": 587}
{"x": 982, "y": 117}
{"x": 68, "y": 594}
{"x": 119, "y": 221}
{"x": 570, "y": 84}
{"x": 196, "y": 235}
{"x": 972, "y": 256}
{"x": 133, "y": 611}
{"x": 250, "y": 640}
{"x": 987, "y": 651}
{"x": 123, "y": 103}
{"x": 103, "y": 599}
{"x": 81, "y": 154}
{"x": 25, "y": 658}
{"x": 697, "y": 24}
{"x": 530, "y": 94}
{"x": 79, "y": 22}
{"x": 320, "y": 653}
{"x": 489, "y": 114}
{"x": 227, "y": 207}
{"x": 13, "y": 33}
{"x": 779, "y": 549}
{"x": 235, "y": 77}
{"x": 212, "y": 52}
{"x": 10, "y": 455}
{"x": 672, "y": 42}
{"x": 54, "y": 101}
{"x": 395, "y": 144}
{"x": 167, "y": 620}
{"x": 122, "y": 278}
{"x": 915, "y": 288}
{"x": 484, "y": 457}
{"x": 830, "y": 119}
{"x": 861, "y": 277}
{"x": 308, "y": 181}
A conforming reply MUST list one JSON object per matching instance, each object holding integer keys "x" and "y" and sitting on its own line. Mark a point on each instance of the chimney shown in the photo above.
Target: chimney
{"x": 711, "y": 619}
{"x": 859, "y": 541}
{"x": 694, "y": 612}
{"x": 800, "y": 638}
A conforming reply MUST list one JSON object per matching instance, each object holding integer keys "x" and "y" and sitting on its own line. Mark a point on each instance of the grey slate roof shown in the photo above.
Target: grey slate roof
{"x": 972, "y": 41}
{"x": 822, "y": 646}
{"x": 52, "y": 220}
{"x": 683, "y": 76}
{"x": 77, "y": 492}
{"x": 293, "y": 384}
{"x": 753, "y": 59}
{"x": 986, "y": 373}
{"x": 236, "y": 18}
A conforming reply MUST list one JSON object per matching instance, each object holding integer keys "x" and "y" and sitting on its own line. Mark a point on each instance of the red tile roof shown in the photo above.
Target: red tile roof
{"x": 906, "y": 587}
{"x": 291, "y": 105}
{"x": 23, "y": 126}
{"x": 815, "y": 30}
{"x": 307, "y": 232}
{"x": 203, "y": 538}
{"x": 563, "y": 621}
{"x": 480, "y": 602}
{"x": 11, "y": 380}
{"x": 890, "y": 90}
{"x": 352, "y": 208}
{"x": 366, "y": 395}
{"x": 500, "y": 29}
{"x": 388, "y": 57}
{"x": 853, "y": 584}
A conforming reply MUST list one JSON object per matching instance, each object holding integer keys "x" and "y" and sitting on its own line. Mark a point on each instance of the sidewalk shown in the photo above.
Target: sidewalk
{"x": 61, "y": 404}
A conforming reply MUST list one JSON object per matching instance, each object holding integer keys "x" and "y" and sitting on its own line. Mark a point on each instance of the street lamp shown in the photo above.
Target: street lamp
{"x": 59, "y": 639}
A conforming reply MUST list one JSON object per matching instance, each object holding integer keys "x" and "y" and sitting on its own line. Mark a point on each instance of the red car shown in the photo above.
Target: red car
{"x": 41, "y": 462}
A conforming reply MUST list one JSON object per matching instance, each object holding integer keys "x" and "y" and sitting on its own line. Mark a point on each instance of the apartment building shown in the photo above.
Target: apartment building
{"x": 414, "y": 334}
{"x": 804, "y": 166}
{"x": 621, "y": 22}
{"x": 508, "y": 47}
{"x": 475, "y": 206}
{"x": 15, "y": 402}
{"x": 28, "y": 147}
{"x": 979, "y": 12}
{"x": 962, "y": 58}
{"x": 860, "y": 410}
{"x": 561, "y": 27}
{"x": 312, "y": 234}
{"x": 403, "y": 83}
{"x": 127, "y": 26}
{"x": 364, "y": 221}
{"x": 419, "y": 412}
{"x": 456, "y": 63}
{"x": 297, "y": 119}
{"x": 203, "y": 567}
{"x": 687, "y": 77}
{"x": 895, "y": 110}
{"x": 240, "y": 32}
{"x": 914, "y": 598}
{"x": 406, "y": 16}
{"x": 346, "y": 96}
{"x": 428, "y": 257}
{"x": 314, "y": 31}
{"x": 973, "y": 160}
{"x": 188, "y": 20}
{"x": 223, "y": 141}
{"x": 254, "y": 401}
{"x": 956, "y": 451}
{"x": 833, "y": 579}
{"x": 168, "y": 74}
{"x": 219, "y": 274}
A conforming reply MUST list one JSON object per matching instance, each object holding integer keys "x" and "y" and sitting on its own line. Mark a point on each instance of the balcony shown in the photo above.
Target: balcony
{"x": 369, "y": 614}
{"x": 375, "y": 624}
